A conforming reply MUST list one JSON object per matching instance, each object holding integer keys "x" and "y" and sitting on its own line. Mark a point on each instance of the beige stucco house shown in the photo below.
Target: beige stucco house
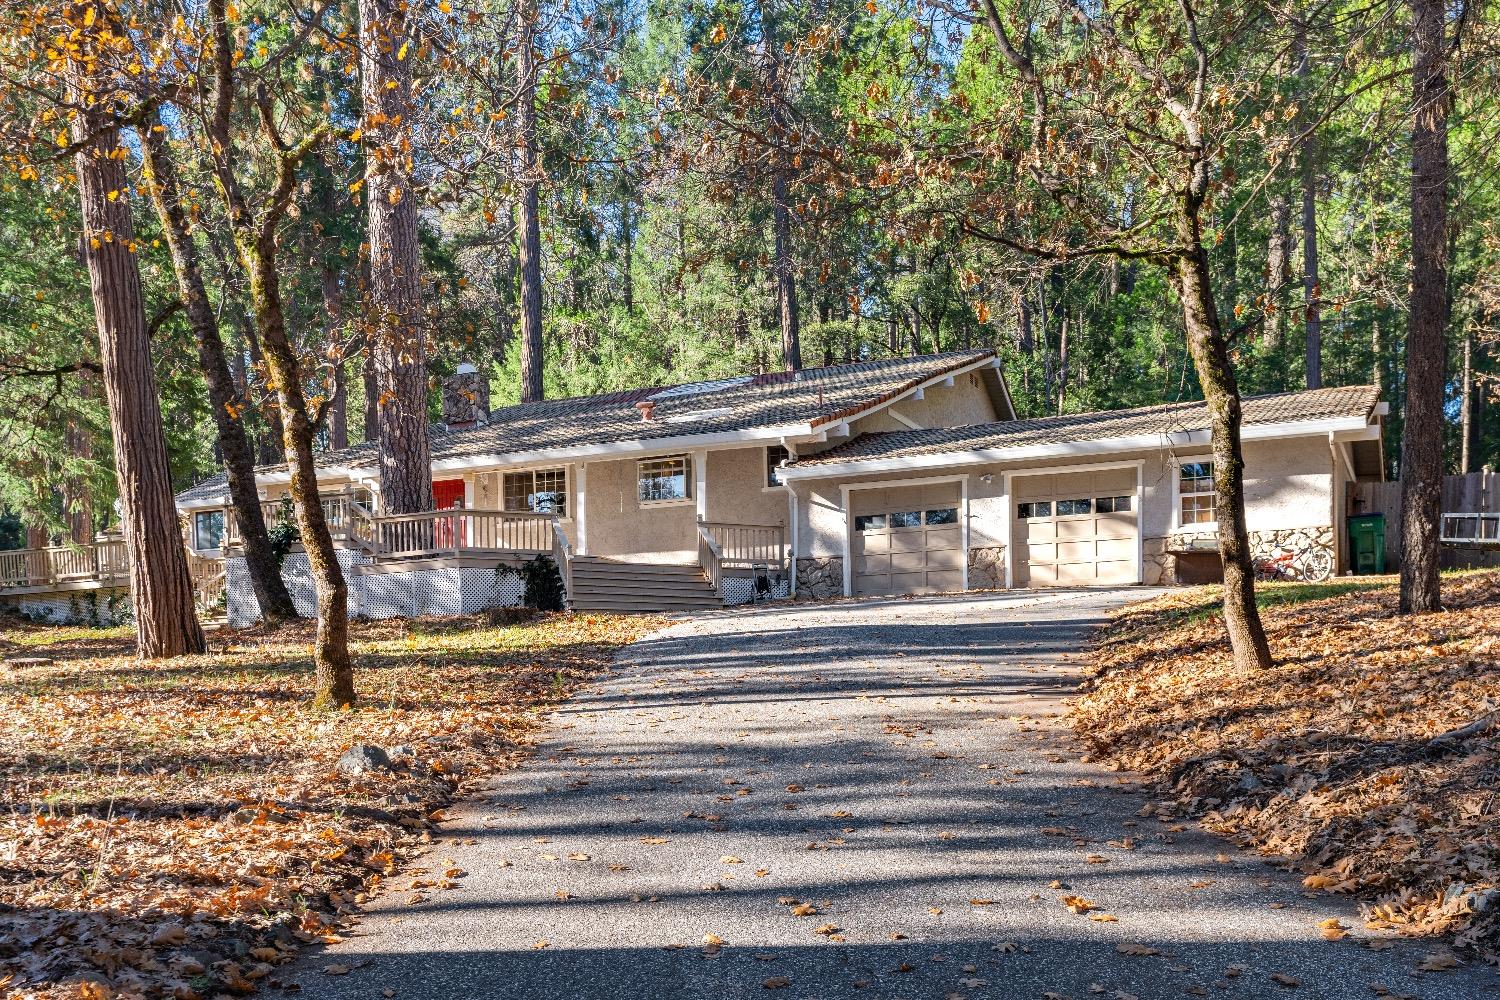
{"x": 910, "y": 475}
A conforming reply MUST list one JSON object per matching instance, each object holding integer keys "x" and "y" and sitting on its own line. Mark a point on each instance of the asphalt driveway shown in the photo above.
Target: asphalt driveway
{"x": 869, "y": 799}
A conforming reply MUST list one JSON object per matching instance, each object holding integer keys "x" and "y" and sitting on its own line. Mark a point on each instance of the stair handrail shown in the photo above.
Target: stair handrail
{"x": 562, "y": 554}
{"x": 363, "y": 527}
{"x": 710, "y": 556}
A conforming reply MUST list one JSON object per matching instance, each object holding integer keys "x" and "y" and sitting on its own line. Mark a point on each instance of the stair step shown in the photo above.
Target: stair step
{"x": 702, "y": 591}
{"x": 645, "y": 569}
{"x": 646, "y": 583}
{"x": 643, "y": 605}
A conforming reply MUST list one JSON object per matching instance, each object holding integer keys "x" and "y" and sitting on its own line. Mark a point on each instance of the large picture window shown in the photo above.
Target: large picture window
{"x": 1195, "y": 493}
{"x": 664, "y": 480}
{"x": 544, "y": 491}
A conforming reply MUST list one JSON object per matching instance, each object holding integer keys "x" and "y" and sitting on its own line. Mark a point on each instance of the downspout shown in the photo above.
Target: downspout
{"x": 791, "y": 503}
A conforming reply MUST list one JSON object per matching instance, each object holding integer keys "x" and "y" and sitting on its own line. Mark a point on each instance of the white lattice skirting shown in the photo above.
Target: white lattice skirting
{"x": 741, "y": 589}
{"x": 448, "y": 590}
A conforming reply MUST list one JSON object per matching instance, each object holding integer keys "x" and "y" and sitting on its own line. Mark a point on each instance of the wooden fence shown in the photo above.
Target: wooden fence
{"x": 1472, "y": 493}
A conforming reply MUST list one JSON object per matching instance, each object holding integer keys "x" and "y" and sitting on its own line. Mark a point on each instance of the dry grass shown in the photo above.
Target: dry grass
{"x": 181, "y": 825}
{"x": 1325, "y": 760}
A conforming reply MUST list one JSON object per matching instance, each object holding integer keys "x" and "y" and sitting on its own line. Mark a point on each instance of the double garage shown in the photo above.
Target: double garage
{"x": 1065, "y": 529}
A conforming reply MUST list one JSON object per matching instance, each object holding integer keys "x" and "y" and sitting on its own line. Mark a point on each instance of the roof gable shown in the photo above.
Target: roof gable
{"x": 774, "y": 402}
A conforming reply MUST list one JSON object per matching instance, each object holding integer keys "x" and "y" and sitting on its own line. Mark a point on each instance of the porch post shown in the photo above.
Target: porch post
{"x": 580, "y": 508}
{"x": 700, "y": 483}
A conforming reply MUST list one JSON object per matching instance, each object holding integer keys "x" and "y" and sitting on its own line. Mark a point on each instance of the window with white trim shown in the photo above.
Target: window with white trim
{"x": 664, "y": 480}
{"x": 1195, "y": 493}
{"x": 544, "y": 491}
{"x": 208, "y": 530}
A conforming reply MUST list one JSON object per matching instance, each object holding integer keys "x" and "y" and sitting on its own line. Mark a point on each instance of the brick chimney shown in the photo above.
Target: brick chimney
{"x": 647, "y": 408}
{"x": 465, "y": 398}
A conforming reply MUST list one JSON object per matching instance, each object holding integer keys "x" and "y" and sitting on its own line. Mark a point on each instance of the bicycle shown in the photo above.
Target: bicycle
{"x": 1312, "y": 566}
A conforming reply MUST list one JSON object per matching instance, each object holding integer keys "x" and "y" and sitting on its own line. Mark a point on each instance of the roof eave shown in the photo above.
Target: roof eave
{"x": 1020, "y": 453}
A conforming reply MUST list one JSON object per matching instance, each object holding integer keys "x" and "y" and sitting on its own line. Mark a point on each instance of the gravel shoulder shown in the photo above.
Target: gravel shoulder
{"x": 896, "y": 772}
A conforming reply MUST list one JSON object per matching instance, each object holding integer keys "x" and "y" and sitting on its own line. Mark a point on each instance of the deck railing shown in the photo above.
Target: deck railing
{"x": 723, "y": 545}
{"x": 749, "y": 545}
{"x": 444, "y": 532}
{"x": 336, "y": 511}
{"x": 104, "y": 560}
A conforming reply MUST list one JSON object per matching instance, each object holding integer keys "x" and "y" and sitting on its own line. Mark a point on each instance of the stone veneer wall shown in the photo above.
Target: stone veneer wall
{"x": 987, "y": 567}
{"x": 1161, "y": 565}
{"x": 820, "y": 576}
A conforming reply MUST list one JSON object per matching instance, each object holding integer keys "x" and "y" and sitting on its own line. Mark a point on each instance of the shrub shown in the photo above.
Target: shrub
{"x": 541, "y": 582}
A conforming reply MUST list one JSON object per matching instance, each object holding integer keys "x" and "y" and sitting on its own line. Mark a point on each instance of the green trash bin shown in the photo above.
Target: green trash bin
{"x": 1367, "y": 544}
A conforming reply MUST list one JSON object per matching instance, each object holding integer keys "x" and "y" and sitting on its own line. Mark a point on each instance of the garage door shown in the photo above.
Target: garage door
{"x": 1075, "y": 528}
{"x": 906, "y": 540}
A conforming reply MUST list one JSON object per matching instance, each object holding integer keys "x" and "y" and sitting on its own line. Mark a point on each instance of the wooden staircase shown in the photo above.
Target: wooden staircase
{"x": 607, "y": 585}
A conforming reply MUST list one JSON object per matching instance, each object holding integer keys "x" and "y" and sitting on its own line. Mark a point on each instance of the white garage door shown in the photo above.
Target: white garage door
{"x": 1075, "y": 528}
{"x": 906, "y": 540}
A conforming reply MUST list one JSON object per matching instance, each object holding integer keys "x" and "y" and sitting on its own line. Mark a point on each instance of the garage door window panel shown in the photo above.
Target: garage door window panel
{"x": 869, "y": 522}
{"x": 946, "y": 515}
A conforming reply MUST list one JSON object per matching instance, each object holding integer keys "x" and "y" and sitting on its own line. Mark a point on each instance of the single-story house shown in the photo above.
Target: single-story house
{"x": 901, "y": 476}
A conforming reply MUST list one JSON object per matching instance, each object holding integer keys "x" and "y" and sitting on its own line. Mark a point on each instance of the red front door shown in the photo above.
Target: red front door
{"x": 448, "y": 494}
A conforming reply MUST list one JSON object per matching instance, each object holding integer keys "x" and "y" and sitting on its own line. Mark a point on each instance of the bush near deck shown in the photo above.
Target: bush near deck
{"x": 1327, "y": 759}
{"x": 180, "y": 826}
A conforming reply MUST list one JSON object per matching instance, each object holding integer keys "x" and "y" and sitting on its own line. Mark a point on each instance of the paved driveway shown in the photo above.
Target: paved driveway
{"x": 894, "y": 772}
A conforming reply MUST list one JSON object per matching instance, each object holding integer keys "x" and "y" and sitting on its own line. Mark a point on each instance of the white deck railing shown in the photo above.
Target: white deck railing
{"x": 103, "y": 561}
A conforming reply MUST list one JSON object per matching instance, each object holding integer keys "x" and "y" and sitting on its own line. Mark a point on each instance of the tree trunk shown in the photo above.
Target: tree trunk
{"x": 1062, "y": 368}
{"x": 255, "y": 241}
{"x": 78, "y": 506}
{"x": 1312, "y": 292}
{"x": 1466, "y": 406}
{"x": 223, "y": 398}
{"x": 1422, "y": 432}
{"x": 1247, "y": 637}
{"x": 393, "y": 331}
{"x": 1278, "y": 266}
{"x": 166, "y": 624}
{"x": 530, "y": 230}
{"x": 338, "y": 401}
{"x": 1025, "y": 337}
{"x": 333, "y": 328}
{"x": 627, "y": 266}
{"x": 334, "y": 673}
{"x": 786, "y": 279}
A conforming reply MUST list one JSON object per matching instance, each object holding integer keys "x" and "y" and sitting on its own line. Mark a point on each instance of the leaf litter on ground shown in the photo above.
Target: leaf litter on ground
{"x": 181, "y": 825}
{"x": 1367, "y": 758}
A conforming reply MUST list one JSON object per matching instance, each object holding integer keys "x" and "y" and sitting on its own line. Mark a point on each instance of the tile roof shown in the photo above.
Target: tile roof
{"x": 1313, "y": 404}
{"x": 813, "y": 395}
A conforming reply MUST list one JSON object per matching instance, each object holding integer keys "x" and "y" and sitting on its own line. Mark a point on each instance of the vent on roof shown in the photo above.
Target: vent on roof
{"x": 701, "y": 388}
{"x": 693, "y": 416}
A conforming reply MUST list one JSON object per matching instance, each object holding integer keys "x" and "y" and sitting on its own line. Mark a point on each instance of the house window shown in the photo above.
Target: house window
{"x": 664, "y": 480}
{"x": 1195, "y": 493}
{"x": 775, "y": 455}
{"x": 1112, "y": 505}
{"x": 1041, "y": 508}
{"x": 1067, "y": 508}
{"x": 208, "y": 530}
{"x": 544, "y": 491}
